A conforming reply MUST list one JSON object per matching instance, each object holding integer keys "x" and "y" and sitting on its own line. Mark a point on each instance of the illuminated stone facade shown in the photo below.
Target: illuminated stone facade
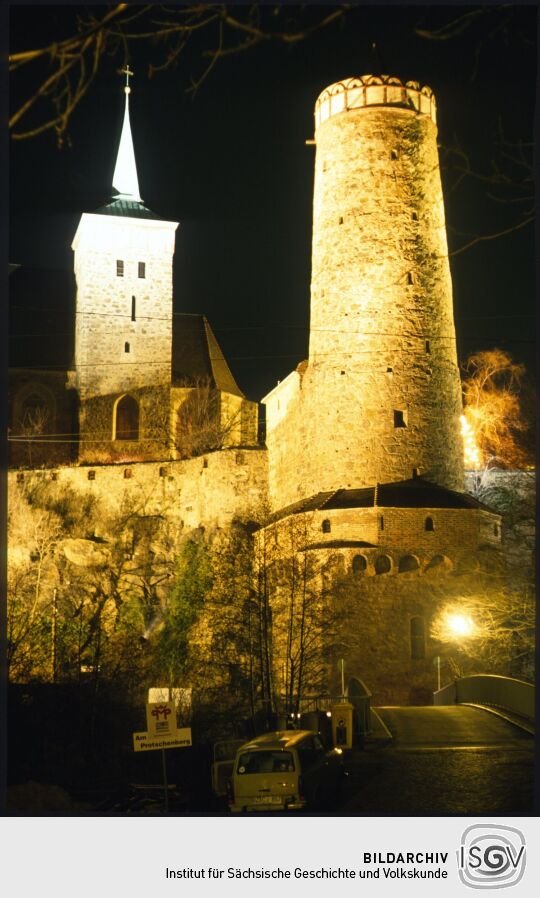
{"x": 364, "y": 457}
{"x": 123, "y": 329}
{"x": 380, "y": 395}
{"x": 364, "y": 440}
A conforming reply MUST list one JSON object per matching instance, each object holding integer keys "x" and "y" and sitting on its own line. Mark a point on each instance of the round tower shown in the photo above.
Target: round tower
{"x": 381, "y": 392}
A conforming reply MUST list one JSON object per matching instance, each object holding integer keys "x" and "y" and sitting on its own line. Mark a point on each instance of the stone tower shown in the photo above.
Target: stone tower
{"x": 123, "y": 269}
{"x": 379, "y": 399}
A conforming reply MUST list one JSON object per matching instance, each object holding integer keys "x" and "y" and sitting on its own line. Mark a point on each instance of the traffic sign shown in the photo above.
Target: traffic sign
{"x": 146, "y": 742}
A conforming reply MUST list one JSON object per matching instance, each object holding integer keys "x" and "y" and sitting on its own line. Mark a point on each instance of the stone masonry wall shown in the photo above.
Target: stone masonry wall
{"x": 106, "y": 320}
{"x": 381, "y": 394}
{"x": 512, "y": 494}
{"x": 207, "y": 492}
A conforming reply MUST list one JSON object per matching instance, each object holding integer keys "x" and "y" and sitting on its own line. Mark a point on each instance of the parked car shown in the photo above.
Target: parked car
{"x": 285, "y": 770}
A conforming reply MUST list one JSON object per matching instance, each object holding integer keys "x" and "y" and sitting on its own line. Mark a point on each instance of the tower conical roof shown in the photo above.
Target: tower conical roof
{"x": 125, "y": 179}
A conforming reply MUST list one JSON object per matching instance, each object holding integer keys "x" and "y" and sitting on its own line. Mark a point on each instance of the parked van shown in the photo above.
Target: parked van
{"x": 285, "y": 770}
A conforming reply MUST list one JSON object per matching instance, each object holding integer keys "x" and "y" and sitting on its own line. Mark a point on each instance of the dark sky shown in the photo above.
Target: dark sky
{"x": 232, "y": 166}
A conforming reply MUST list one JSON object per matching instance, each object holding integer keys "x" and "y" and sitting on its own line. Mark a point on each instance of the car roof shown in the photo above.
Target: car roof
{"x": 280, "y": 739}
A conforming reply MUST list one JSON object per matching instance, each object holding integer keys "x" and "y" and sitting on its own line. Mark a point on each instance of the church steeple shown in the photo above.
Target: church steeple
{"x": 125, "y": 179}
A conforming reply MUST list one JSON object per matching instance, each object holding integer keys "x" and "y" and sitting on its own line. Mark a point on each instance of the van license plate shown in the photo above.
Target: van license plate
{"x": 268, "y": 799}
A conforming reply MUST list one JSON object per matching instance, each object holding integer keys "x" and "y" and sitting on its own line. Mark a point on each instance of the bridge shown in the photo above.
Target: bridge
{"x": 463, "y": 757}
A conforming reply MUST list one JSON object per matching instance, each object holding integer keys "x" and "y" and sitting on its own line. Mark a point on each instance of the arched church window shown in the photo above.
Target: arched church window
{"x": 418, "y": 638}
{"x": 127, "y": 419}
{"x": 428, "y": 525}
{"x": 326, "y": 526}
{"x": 126, "y": 347}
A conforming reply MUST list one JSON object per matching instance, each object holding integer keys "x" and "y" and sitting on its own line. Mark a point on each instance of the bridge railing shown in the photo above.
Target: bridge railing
{"x": 490, "y": 689}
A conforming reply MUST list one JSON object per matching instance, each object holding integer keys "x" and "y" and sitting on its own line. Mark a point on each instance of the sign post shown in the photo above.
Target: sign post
{"x": 165, "y": 783}
{"x": 162, "y": 732}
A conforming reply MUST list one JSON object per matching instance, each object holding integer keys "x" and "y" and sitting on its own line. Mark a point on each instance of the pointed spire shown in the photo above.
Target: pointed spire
{"x": 125, "y": 179}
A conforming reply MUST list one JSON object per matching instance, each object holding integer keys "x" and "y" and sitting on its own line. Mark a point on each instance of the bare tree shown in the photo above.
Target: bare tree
{"x": 305, "y": 621}
{"x": 64, "y": 70}
{"x": 508, "y": 178}
{"x": 33, "y": 536}
{"x": 498, "y": 623}
{"x": 202, "y": 423}
{"x": 491, "y": 390}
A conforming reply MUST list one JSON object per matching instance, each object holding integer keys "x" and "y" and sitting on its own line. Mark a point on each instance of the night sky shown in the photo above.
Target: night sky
{"x": 231, "y": 165}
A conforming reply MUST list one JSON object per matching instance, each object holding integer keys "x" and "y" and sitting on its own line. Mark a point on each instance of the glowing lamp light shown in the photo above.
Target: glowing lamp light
{"x": 460, "y": 625}
{"x": 471, "y": 452}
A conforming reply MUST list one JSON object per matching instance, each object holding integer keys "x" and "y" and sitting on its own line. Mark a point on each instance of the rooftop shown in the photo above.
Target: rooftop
{"x": 127, "y": 208}
{"x": 414, "y": 493}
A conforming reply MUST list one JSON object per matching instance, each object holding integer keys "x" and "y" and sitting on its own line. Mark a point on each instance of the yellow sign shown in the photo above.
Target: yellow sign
{"x": 146, "y": 742}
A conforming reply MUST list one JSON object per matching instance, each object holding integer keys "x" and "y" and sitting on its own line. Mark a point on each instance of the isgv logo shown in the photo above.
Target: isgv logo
{"x": 491, "y": 857}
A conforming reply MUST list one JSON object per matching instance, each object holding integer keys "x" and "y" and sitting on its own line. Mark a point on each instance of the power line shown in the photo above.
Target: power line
{"x": 305, "y": 326}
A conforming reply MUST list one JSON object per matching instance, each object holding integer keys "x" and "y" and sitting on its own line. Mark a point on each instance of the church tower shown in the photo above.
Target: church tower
{"x": 123, "y": 269}
{"x": 379, "y": 399}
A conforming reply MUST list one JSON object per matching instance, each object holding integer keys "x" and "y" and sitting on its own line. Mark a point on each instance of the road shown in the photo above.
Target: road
{"x": 443, "y": 761}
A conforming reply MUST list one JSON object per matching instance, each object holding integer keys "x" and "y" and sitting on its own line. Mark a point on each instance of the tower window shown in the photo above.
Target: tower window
{"x": 119, "y": 268}
{"x": 381, "y": 522}
{"x": 428, "y": 525}
{"x": 133, "y": 308}
{"x": 418, "y": 638}
{"x": 326, "y": 526}
{"x": 410, "y": 278}
{"x": 91, "y": 475}
{"x": 399, "y": 418}
{"x": 142, "y": 269}
{"x": 414, "y": 216}
{"x": 394, "y": 155}
{"x": 428, "y": 347}
{"x": 127, "y": 419}
{"x": 341, "y": 219}
{"x": 126, "y": 347}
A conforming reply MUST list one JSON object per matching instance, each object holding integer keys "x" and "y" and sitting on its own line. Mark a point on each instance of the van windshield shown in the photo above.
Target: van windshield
{"x": 265, "y": 762}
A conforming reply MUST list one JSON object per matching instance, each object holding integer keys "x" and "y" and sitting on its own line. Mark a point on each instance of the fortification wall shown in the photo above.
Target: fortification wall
{"x": 209, "y": 491}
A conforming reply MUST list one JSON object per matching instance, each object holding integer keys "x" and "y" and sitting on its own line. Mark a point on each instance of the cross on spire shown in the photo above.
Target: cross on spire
{"x": 127, "y": 72}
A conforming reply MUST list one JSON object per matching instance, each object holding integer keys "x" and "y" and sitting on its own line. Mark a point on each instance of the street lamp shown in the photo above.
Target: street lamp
{"x": 454, "y": 626}
{"x": 460, "y": 625}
